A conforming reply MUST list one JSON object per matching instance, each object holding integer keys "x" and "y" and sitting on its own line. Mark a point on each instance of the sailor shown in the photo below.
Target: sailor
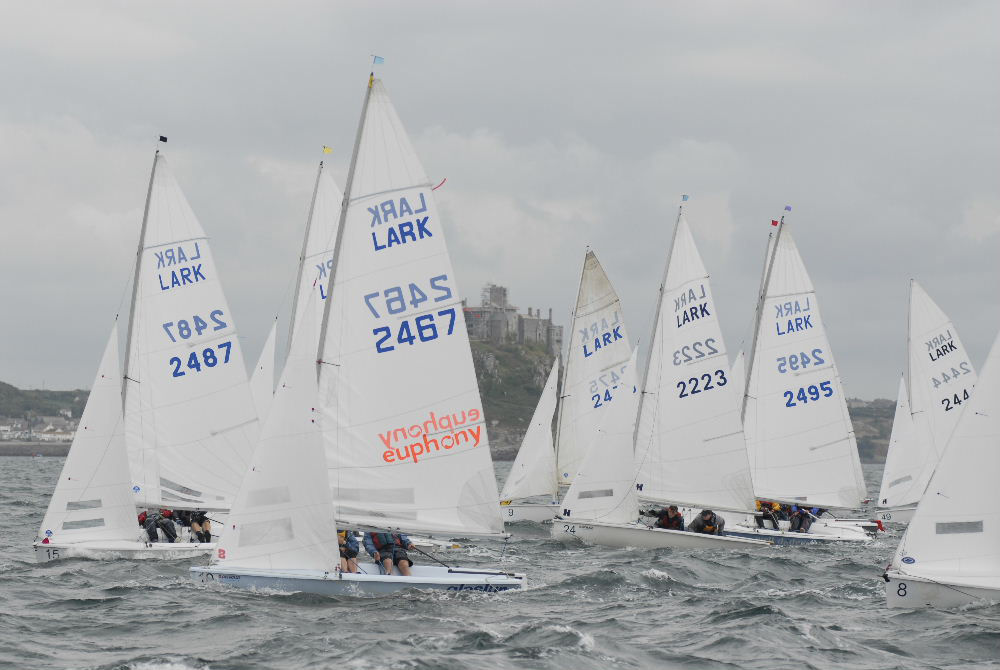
{"x": 389, "y": 549}
{"x": 799, "y": 520}
{"x": 767, "y": 511}
{"x": 158, "y": 520}
{"x": 708, "y": 522}
{"x": 201, "y": 526}
{"x": 348, "y": 551}
{"x": 670, "y": 519}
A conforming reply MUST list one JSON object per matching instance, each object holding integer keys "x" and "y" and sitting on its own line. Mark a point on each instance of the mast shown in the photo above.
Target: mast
{"x": 344, "y": 206}
{"x": 909, "y": 331}
{"x": 135, "y": 278}
{"x": 302, "y": 262}
{"x": 565, "y": 370}
{"x": 760, "y": 312}
{"x": 656, "y": 319}
{"x": 562, "y": 371}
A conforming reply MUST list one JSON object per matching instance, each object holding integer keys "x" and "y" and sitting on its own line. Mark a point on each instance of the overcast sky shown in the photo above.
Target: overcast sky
{"x": 558, "y": 125}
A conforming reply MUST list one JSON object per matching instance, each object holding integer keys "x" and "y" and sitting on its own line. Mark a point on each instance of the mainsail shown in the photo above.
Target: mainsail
{"x": 190, "y": 420}
{"x": 534, "y": 470}
{"x": 689, "y": 441}
{"x": 799, "y": 434}
{"x": 955, "y": 531}
{"x": 604, "y": 488}
{"x": 402, "y": 422}
{"x": 906, "y": 457}
{"x": 598, "y": 351}
{"x": 93, "y": 497}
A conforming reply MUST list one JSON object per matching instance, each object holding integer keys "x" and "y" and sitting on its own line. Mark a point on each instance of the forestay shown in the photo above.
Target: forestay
{"x": 403, "y": 422}
{"x": 598, "y": 350}
{"x": 282, "y": 517}
{"x": 316, "y": 259}
{"x": 262, "y": 378}
{"x": 93, "y": 497}
{"x": 941, "y": 381}
{"x": 799, "y": 435}
{"x": 190, "y": 420}
{"x": 534, "y": 469}
{"x": 604, "y": 488}
{"x": 689, "y": 441}
{"x": 955, "y": 531}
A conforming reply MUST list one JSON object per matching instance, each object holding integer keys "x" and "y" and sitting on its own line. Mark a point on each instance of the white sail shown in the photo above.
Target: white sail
{"x": 282, "y": 517}
{"x": 190, "y": 421}
{"x": 690, "y": 441}
{"x": 262, "y": 378}
{"x": 534, "y": 469}
{"x": 598, "y": 350}
{"x": 738, "y": 376}
{"x": 316, "y": 259}
{"x": 902, "y": 480}
{"x": 93, "y": 497}
{"x": 403, "y": 422}
{"x": 955, "y": 531}
{"x": 799, "y": 434}
{"x": 604, "y": 488}
{"x": 940, "y": 381}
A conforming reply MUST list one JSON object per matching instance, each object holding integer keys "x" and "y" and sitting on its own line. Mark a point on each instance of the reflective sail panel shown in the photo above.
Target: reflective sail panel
{"x": 690, "y": 441}
{"x": 598, "y": 352}
{"x": 403, "y": 422}
{"x": 93, "y": 498}
{"x": 189, "y": 414}
{"x": 799, "y": 434}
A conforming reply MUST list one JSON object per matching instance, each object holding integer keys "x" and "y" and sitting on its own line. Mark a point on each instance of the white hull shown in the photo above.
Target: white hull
{"x": 369, "y": 583}
{"x": 638, "y": 535}
{"x": 895, "y": 515}
{"x": 120, "y": 549}
{"x": 534, "y": 512}
{"x": 822, "y": 530}
{"x": 902, "y": 590}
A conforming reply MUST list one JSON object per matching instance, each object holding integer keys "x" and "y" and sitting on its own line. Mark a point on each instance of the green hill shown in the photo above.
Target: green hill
{"x": 17, "y": 403}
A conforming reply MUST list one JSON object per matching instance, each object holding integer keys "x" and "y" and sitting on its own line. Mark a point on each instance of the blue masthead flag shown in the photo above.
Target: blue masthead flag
{"x": 684, "y": 198}
{"x": 788, "y": 208}
{"x": 377, "y": 60}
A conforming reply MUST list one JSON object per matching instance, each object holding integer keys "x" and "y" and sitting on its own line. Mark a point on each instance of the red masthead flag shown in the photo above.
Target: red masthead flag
{"x": 773, "y": 222}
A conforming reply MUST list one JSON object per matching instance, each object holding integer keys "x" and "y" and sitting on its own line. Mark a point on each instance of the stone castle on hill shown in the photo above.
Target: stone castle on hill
{"x": 497, "y": 321}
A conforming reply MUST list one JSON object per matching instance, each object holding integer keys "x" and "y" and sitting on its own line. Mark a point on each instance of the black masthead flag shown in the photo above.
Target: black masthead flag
{"x": 163, "y": 138}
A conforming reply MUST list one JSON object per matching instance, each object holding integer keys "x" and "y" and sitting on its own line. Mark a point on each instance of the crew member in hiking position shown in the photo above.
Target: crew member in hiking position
{"x": 668, "y": 518}
{"x": 348, "y": 551}
{"x": 708, "y": 522}
{"x": 389, "y": 549}
{"x": 158, "y": 520}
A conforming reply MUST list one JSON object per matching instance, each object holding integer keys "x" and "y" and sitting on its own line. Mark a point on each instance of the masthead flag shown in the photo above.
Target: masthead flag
{"x": 684, "y": 198}
{"x": 377, "y": 60}
{"x": 163, "y": 138}
{"x": 773, "y": 222}
{"x": 327, "y": 150}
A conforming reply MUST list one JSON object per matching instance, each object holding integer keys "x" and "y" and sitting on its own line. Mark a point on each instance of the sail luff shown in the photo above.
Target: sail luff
{"x": 656, "y": 319}
{"x": 302, "y": 261}
{"x": 565, "y": 373}
{"x": 135, "y": 279}
{"x": 760, "y": 313}
{"x": 345, "y": 205}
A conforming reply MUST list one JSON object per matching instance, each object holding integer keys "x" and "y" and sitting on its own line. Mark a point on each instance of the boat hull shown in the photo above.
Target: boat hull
{"x": 899, "y": 516}
{"x": 121, "y": 550}
{"x": 368, "y": 583}
{"x": 636, "y": 535}
{"x": 536, "y": 513}
{"x": 821, "y": 531}
{"x": 902, "y": 590}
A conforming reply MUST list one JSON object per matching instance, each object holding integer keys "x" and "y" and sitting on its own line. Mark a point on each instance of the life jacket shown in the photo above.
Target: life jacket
{"x": 142, "y": 518}
{"x": 708, "y": 529}
{"x": 383, "y": 541}
{"x": 342, "y": 534}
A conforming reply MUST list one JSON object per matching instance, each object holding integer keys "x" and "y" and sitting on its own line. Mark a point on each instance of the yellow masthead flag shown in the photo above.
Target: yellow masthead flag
{"x": 327, "y": 150}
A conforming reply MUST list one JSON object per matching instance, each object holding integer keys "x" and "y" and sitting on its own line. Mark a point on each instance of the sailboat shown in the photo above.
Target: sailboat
{"x": 92, "y": 512}
{"x": 931, "y": 396}
{"x": 184, "y": 406}
{"x": 950, "y": 553}
{"x": 598, "y": 350}
{"x": 602, "y": 504}
{"x": 396, "y": 411}
{"x": 534, "y": 470}
{"x": 799, "y": 434}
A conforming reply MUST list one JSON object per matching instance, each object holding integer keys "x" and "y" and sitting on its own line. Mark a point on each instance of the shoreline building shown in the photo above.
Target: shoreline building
{"x": 497, "y": 321}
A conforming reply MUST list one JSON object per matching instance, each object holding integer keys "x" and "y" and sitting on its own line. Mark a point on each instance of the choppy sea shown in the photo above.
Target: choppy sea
{"x": 588, "y": 607}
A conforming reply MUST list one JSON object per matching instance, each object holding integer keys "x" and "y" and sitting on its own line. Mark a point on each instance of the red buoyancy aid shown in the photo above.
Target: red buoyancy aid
{"x": 384, "y": 541}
